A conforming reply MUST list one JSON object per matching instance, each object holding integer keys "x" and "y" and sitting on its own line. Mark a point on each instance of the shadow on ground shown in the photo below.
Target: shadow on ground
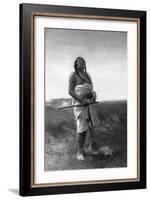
{"x": 14, "y": 191}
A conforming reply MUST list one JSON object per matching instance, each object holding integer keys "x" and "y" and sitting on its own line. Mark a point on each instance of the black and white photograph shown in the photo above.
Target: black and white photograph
{"x": 86, "y": 96}
{"x": 82, "y": 84}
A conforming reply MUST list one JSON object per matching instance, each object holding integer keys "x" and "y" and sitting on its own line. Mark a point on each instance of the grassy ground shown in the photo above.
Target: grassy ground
{"x": 61, "y": 141}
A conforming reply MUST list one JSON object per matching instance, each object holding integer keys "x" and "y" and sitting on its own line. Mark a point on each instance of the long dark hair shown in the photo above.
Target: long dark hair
{"x": 76, "y": 68}
{"x": 75, "y": 64}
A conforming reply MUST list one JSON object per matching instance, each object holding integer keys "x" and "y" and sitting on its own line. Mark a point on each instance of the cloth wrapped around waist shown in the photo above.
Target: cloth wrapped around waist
{"x": 85, "y": 91}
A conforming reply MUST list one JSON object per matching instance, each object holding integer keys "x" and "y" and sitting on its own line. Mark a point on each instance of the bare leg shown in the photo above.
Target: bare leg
{"x": 81, "y": 141}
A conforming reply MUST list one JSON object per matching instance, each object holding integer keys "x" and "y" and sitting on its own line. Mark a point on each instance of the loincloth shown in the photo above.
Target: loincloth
{"x": 84, "y": 114}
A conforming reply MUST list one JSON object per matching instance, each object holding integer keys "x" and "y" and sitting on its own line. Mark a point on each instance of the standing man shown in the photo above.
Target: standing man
{"x": 81, "y": 90}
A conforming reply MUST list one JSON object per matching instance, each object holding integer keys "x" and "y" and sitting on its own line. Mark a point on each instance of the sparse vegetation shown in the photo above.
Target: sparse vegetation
{"x": 60, "y": 137}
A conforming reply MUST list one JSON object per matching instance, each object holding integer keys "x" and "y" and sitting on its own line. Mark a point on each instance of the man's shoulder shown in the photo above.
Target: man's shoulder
{"x": 72, "y": 75}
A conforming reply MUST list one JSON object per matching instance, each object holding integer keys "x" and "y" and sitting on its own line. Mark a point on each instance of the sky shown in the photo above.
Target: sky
{"x": 105, "y": 53}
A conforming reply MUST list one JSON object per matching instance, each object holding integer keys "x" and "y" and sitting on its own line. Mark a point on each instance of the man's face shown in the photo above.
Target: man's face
{"x": 80, "y": 64}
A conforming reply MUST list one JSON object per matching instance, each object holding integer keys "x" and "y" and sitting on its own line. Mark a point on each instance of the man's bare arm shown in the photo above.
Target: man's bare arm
{"x": 75, "y": 96}
{"x": 72, "y": 83}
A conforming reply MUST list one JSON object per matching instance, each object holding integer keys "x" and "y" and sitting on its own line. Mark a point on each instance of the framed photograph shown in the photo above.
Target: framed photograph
{"x": 82, "y": 99}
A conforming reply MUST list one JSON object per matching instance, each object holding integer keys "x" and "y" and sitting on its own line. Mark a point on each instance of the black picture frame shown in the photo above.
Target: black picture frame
{"x": 27, "y": 13}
